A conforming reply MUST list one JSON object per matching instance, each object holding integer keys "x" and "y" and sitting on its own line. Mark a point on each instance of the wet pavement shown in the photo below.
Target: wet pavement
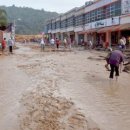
{"x": 73, "y": 75}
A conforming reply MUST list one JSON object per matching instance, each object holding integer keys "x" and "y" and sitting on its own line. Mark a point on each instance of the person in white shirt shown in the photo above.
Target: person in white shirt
{"x": 122, "y": 43}
{"x": 52, "y": 42}
{"x": 65, "y": 42}
{"x": 90, "y": 44}
{"x": 42, "y": 44}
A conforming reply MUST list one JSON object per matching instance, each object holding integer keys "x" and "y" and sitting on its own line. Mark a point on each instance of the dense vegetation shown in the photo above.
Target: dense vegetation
{"x": 3, "y": 19}
{"x": 28, "y": 20}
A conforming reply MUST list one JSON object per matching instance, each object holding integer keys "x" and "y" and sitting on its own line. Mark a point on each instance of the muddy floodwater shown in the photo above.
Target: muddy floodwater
{"x": 61, "y": 90}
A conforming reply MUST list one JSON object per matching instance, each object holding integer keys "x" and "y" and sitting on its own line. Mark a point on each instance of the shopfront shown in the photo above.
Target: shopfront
{"x": 72, "y": 37}
{"x": 115, "y": 37}
{"x": 126, "y": 34}
{"x": 80, "y": 39}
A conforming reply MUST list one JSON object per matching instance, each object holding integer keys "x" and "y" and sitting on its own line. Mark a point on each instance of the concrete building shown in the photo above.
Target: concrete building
{"x": 100, "y": 21}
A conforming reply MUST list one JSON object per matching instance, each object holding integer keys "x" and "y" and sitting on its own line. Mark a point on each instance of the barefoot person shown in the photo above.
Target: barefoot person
{"x": 116, "y": 58}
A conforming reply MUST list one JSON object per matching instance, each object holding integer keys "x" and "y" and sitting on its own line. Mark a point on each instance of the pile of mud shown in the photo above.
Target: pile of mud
{"x": 127, "y": 68}
{"x": 127, "y": 65}
{"x": 48, "y": 112}
{"x": 42, "y": 107}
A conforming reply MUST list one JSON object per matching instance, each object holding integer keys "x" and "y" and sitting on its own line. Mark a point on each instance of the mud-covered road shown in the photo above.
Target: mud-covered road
{"x": 61, "y": 91}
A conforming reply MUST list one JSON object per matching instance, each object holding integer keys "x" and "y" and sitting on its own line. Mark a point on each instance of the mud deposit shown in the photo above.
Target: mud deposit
{"x": 61, "y": 90}
{"x": 42, "y": 107}
{"x": 47, "y": 112}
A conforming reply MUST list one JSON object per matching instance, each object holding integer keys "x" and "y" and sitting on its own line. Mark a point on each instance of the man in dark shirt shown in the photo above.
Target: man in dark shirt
{"x": 116, "y": 58}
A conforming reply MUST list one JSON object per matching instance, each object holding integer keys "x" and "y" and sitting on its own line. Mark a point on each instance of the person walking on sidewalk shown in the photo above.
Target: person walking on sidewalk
{"x": 116, "y": 58}
{"x": 10, "y": 44}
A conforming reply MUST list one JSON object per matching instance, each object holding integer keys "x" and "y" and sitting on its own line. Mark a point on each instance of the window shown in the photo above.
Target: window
{"x": 53, "y": 26}
{"x": 113, "y": 10}
{"x": 57, "y": 24}
{"x": 79, "y": 20}
{"x": 64, "y": 24}
{"x": 87, "y": 18}
{"x": 104, "y": 12}
{"x": 49, "y": 26}
{"x": 70, "y": 21}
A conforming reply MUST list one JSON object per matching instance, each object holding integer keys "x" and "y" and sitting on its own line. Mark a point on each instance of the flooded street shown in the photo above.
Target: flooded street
{"x": 108, "y": 104}
{"x": 13, "y": 83}
{"x": 72, "y": 86}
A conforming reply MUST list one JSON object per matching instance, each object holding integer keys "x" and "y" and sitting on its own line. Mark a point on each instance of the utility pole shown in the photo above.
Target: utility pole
{"x": 14, "y": 29}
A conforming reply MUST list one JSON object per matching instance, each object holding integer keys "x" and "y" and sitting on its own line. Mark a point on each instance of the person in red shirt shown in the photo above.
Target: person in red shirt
{"x": 57, "y": 43}
{"x": 106, "y": 45}
{"x": 3, "y": 45}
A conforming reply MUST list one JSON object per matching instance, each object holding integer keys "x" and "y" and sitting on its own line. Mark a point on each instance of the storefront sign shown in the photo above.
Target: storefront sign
{"x": 103, "y": 23}
{"x": 113, "y": 21}
{"x": 78, "y": 29}
{"x": 88, "y": 26}
{"x": 99, "y": 24}
{"x": 125, "y": 6}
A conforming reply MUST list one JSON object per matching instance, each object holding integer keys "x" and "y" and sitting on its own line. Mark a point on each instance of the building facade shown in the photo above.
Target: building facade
{"x": 100, "y": 21}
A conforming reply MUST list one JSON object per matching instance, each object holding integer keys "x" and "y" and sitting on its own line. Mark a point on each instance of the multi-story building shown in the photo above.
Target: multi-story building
{"x": 99, "y": 21}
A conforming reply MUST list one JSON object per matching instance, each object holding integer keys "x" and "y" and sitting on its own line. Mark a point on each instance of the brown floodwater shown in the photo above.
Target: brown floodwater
{"x": 83, "y": 80}
{"x": 13, "y": 83}
{"x": 106, "y": 102}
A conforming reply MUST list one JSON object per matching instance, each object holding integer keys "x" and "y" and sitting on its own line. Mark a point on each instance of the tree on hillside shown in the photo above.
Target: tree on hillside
{"x": 3, "y": 19}
{"x": 32, "y": 20}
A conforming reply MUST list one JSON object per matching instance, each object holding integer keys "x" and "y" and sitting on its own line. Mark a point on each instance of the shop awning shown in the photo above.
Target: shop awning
{"x": 124, "y": 26}
{"x": 92, "y": 30}
{"x": 110, "y": 29}
{"x": 115, "y": 28}
{"x": 82, "y": 32}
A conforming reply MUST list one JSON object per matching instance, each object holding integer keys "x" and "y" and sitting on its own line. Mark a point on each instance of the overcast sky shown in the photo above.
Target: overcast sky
{"x": 59, "y": 6}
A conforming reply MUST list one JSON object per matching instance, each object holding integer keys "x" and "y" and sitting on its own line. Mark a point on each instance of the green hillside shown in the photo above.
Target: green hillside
{"x": 28, "y": 20}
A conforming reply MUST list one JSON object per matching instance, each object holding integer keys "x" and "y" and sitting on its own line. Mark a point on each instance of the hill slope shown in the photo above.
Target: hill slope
{"x": 28, "y": 20}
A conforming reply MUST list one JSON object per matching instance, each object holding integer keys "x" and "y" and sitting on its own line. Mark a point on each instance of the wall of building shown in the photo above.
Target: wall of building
{"x": 98, "y": 4}
{"x": 115, "y": 14}
{"x": 125, "y": 19}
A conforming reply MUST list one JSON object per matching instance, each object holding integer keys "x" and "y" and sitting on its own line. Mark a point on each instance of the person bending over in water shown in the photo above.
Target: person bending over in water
{"x": 116, "y": 58}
